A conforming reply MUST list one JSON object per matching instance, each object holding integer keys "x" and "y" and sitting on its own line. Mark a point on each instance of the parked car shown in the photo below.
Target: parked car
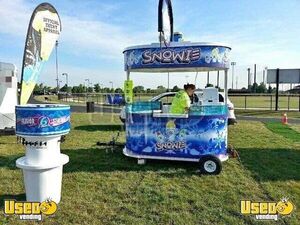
{"x": 166, "y": 99}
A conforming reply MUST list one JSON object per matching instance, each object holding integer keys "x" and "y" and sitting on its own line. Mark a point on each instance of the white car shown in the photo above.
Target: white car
{"x": 166, "y": 99}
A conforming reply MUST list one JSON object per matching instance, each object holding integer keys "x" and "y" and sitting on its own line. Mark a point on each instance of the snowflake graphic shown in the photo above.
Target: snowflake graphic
{"x": 219, "y": 140}
{"x": 133, "y": 58}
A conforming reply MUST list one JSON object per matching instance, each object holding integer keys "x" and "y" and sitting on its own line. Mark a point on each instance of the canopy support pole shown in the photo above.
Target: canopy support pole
{"x": 225, "y": 86}
{"x": 128, "y": 75}
{"x": 168, "y": 82}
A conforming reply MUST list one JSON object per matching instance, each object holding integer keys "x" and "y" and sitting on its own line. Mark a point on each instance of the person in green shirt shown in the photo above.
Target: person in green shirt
{"x": 181, "y": 102}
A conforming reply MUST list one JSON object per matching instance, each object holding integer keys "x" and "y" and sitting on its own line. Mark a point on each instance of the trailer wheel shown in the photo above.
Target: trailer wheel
{"x": 210, "y": 165}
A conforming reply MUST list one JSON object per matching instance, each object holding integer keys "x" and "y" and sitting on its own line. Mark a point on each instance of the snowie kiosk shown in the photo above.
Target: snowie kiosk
{"x": 152, "y": 132}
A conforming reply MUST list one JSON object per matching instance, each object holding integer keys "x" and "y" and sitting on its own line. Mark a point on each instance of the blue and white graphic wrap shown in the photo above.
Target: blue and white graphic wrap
{"x": 42, "y": 121}
{"x": 190, "y": 137}
{"x": 176, "y": 58}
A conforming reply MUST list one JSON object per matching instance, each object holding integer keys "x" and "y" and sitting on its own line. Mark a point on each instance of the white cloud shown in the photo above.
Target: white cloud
{"x": 98, "y": 38}
{"x": 82, "y": 37}
{"x": 15, "y": 16}
{"x": 78, "y": 75}
{"x": 81, "y": 34}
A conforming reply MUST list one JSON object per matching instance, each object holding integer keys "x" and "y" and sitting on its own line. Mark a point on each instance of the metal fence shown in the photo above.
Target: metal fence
{"x": 286, "y": 102}
{"x": 99, "y": 98}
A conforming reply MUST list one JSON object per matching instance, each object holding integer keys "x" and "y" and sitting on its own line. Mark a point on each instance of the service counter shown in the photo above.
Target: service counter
{"x": 151, "y": 133}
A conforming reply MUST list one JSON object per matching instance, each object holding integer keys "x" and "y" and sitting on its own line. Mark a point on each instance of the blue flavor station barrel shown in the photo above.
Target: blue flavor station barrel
{"x": 42, "y": 120}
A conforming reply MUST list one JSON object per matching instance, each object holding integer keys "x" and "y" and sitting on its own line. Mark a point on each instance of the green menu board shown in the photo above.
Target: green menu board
{"x": 128, "y": 90}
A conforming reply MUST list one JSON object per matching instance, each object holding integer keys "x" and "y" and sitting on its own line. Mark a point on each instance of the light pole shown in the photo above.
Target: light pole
{"x": 255, "y": 84}
{"x": 56, "y": 63}
{"x": 112, "y": 84}
{"x": 255, "y": 73}
{"x": 67, "y": 79}
{"x": 264, "y": 75}
{"x": 59, "y": 82}
{"x": 232, "y": 64}
{"x": 91, "y": 85}
{"x": 44, "y": 89}
{"x": 249, "y": 80}
{"x": 87, "y": 88}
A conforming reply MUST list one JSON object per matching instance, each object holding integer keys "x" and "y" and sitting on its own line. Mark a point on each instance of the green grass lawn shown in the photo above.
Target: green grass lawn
{"x": 264, "y": 102}
{"x": 284, "y": 130}
{"x": 267, "y": 113}
{"x": 51, "y": 98}
{"x": 101, "y": 186}
{"x": 54, "y": 99}
{"x": 295, "y": 127}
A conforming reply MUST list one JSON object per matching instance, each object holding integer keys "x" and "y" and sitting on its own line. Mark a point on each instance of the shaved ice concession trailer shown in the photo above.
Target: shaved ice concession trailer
{"x": 152, "y": 132}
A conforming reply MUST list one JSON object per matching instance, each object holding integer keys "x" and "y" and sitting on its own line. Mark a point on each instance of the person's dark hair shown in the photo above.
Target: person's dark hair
{"x": 189, "y": 86}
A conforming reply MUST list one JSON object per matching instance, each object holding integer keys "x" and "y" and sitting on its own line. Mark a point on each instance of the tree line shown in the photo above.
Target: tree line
{"x": 41, "y": 89}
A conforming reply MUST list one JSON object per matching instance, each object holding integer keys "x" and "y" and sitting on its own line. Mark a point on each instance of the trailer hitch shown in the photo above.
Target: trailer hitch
{"x": 113, "y": 142}
{"x": 233, "y": 153}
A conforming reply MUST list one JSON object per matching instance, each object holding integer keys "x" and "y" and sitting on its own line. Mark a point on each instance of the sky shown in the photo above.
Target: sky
{"x": 94, "y": 34}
